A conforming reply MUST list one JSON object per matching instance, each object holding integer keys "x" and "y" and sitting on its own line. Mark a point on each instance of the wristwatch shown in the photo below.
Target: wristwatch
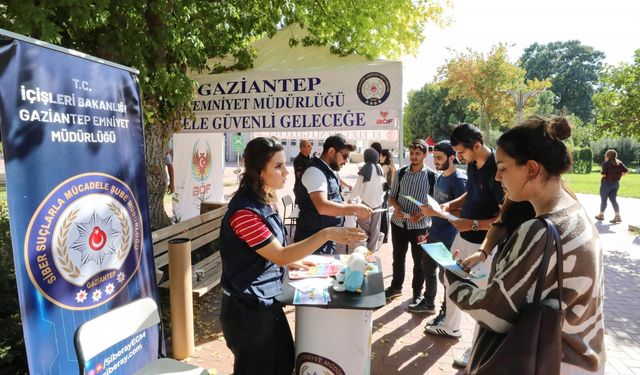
{"x": 475, "y": 227}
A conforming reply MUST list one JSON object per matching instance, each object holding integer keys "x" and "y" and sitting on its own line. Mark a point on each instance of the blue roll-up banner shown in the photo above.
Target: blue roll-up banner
{"x": 77, "y": 194}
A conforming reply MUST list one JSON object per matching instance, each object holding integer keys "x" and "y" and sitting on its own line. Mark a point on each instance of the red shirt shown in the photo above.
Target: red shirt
{"x": 250, "y": 228}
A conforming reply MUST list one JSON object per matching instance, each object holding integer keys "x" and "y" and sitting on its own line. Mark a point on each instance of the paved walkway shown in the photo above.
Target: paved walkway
{"x": 398, "y": 343}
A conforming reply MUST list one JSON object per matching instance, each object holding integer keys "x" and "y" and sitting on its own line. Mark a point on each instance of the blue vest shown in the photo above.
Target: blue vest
{"x": 309, "y": 220}
{"x": 244, "y": 272}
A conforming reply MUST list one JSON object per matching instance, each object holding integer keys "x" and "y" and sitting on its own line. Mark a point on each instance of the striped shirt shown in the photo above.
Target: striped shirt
{"x": 511, "y": 288}
{"x": 416, "y": 185}
{"x": 250, "y": 228}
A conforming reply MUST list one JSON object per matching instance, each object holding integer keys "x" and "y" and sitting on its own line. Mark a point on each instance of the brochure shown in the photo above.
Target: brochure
{"x": 318, "y": 296}
{"x": 443, "y": 257}
{"x": 435, "y": 205}
{"x": 320, "y": 270}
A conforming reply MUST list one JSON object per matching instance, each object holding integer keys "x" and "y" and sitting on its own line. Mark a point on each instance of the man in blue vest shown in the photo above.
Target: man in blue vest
{"x": 319, "y": 195}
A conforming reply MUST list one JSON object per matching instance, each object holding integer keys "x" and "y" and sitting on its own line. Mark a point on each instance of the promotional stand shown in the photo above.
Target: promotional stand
{"x": 336, "y": 338}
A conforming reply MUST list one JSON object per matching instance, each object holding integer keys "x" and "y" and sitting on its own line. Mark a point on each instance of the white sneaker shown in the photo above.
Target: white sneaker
{"x": 463, "y": 359}
{"x": 441, "y": 330}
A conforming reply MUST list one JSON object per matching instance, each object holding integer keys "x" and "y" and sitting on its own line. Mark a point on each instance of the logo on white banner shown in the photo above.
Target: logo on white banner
{"x": 373, "y": 88}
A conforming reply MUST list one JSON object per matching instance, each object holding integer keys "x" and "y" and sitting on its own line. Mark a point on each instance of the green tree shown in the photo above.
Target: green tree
{"x": 429, "y": 112}
{"x": 165, "y": 39}
{"x": 618, "y": 100}
{"x": 544, "y": 104}
{"x": 573, "y": 69}
{"x": 481, "y": 80}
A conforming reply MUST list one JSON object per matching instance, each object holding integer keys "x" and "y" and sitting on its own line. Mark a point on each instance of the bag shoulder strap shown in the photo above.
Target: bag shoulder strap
{"x": 431, "y": 176}
{"x": 401, "y": 173}
{"x": 552, "y": 236}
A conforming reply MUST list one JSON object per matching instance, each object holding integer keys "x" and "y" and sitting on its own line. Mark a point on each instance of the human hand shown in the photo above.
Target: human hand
{"x": 462, "y": 225}
{"x": 398, "y": 214}
{"x": 469, "y": 262}
{"x": 171, "y": 188}
{"x": 415, "y": 217}
{"x": 346, "y": 235}
{"x": 426, "y": 210}
{"x": 445, "y": 207}
{"x": 362, "y": 211}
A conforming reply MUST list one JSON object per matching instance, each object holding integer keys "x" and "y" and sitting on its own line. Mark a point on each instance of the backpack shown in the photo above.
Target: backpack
{"x": 431, "y": 176}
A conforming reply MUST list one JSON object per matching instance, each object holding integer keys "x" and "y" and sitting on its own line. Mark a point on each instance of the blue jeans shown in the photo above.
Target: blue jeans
{"x": 609, "y": 190}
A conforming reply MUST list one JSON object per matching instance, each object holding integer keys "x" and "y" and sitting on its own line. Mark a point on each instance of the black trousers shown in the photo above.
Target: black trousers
{"x": 259, "y": 337}
{"x": 400, "y": 240}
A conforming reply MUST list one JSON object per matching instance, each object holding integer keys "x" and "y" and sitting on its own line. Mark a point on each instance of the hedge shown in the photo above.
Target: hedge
{"x": 582, "y": 160}
{"x": 13, "y": 358}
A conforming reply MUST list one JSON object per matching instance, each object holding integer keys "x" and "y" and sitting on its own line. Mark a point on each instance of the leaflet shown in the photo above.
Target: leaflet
{"x": 434, "y": 205}
{"x": 309, "y": 284}
{"x": 443, "y": 257}
{"x": 320, "y": 270}
{"x": 318, "y": 296}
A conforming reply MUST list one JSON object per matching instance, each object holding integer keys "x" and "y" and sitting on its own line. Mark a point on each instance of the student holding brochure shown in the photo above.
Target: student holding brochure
{"x": 451, "y": 184}
{"x": 409, "y": 226}
{"x": 479, "y": 207}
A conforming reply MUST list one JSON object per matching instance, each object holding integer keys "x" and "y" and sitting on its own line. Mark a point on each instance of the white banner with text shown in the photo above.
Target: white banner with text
{"x": 364, "y": 97}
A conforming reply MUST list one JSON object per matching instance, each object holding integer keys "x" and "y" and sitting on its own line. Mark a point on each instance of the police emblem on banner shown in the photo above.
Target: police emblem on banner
{"x": 373, "y": 88}
{"x": 313, "y": 364}
{"x": 201, "y": 161}
{"x": 84, "y": 242}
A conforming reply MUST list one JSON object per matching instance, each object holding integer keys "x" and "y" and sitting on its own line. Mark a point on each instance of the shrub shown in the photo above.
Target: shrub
{"x": 582, "y": 157}
{"x": 628, "y": 149}
{"x": 13, "y": 357}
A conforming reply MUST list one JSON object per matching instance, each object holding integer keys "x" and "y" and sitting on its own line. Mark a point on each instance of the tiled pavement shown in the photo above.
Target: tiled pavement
{"x": 398, "y": 343}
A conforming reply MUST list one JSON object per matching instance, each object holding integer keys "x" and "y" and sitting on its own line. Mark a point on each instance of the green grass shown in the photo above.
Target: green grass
{"x": 590, "y": 184}
{"x": 3, "y": 193}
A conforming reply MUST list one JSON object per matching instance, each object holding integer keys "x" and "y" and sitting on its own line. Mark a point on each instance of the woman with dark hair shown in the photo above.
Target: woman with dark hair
{"x": 389, "y": 172}
{"x": 254, "y": 253}
{"x": 530, "y": 159}
{"x": 612, "y": 171}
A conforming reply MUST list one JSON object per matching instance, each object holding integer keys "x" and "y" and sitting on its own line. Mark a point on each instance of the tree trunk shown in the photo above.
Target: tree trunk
{"x": 156, "y": 146}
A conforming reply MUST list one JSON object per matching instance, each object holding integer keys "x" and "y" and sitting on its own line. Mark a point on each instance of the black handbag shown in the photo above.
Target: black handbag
{"x": 534, "y": 343}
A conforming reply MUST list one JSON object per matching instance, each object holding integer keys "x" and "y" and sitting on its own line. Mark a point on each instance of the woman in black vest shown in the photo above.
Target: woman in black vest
{"x": 254, "y": 253}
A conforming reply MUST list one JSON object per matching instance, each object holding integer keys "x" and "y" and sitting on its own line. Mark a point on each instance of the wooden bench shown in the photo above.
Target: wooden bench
{"x": 203, "y": 231}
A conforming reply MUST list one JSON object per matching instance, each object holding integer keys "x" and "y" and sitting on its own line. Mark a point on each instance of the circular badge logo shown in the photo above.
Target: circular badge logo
{"x": 373, "y": 88}
{"x": 313, "y": 364}
{"x": 84, "y": 242}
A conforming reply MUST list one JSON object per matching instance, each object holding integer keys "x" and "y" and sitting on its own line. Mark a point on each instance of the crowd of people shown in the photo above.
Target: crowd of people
{"x": 498, "y": 236}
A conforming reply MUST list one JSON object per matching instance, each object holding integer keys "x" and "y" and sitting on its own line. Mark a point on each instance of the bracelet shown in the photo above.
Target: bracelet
{"x": 484, "y": 253}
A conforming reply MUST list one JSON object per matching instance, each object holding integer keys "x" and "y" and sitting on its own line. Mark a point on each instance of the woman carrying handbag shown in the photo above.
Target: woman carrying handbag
{"x": 525, "y": 329}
